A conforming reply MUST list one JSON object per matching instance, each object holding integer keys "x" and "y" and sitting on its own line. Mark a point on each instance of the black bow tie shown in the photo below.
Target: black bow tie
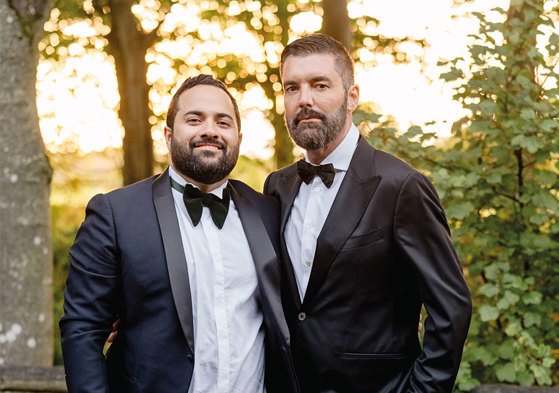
{"x": 307, "y": 172}
{"x": 195, "y": 200}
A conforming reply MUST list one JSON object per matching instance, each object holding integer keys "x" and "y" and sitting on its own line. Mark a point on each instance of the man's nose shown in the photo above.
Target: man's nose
{"x": 210, "y": 131}
{"x": 305, "y": 97}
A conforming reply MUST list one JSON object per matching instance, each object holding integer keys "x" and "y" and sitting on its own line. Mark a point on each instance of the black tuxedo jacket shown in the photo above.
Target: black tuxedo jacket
{"x": 385, "y": 249}
{"x": 128, "y": 261}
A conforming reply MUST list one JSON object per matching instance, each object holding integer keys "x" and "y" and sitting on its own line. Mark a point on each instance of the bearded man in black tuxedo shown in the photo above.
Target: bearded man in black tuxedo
{"x": 187, "y": 261}
{"x": 365, "y": 244}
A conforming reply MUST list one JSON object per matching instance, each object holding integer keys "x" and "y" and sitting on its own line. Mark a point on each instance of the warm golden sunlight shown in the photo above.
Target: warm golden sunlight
{"x": 78, "y": 97}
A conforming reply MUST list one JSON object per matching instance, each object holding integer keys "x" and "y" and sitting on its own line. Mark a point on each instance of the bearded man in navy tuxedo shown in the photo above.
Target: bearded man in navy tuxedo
{"x": 186, "y": 260}
{"x": 365, "y": 244}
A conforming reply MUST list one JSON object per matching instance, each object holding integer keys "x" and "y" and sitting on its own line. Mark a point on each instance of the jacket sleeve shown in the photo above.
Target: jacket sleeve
{"x": 90, "y": 300}
{"x": 422, "y": 233}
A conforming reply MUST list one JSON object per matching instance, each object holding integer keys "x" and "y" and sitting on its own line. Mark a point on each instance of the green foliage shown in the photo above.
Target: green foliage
{"x": 252, "y": 171}
{"x": 498, "y": 179}
{"x": 65, "y": 223}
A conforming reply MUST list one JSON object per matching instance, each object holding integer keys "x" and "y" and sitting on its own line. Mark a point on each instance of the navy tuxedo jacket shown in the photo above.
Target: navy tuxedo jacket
{"x": 384, "y": 250}
{"x": 128, "y": 262}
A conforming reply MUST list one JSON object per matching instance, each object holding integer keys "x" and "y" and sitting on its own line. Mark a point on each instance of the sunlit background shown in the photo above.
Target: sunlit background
{"x": 78, "y": 95}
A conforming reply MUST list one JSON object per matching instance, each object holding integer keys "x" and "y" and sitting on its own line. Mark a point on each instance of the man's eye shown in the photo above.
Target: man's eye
{"x": 224, "y": 123}
{"x": 321, "y": 86}
{"x": 291, "y": 89}
{"x": 193, "y": 121}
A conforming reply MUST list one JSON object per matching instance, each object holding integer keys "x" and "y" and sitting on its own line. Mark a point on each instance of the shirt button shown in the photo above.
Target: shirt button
{"x": 302, "y": 316}
{"x": 309, "y": 226}
{"x": 317, "y": 189}
{"x": 308, "y": 263}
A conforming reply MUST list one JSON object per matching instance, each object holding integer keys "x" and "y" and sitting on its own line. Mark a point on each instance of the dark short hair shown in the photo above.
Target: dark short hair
{"x": 322, "y": 44}
{"x": 201, "y": 79}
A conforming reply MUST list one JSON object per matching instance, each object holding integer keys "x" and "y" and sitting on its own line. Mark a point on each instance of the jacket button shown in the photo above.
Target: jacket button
{"x": 302, "y": 316}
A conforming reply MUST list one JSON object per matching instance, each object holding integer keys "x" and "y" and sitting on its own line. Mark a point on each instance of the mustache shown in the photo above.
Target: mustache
{"x": 210, "y": 141}
{"x": 306, "y": 112}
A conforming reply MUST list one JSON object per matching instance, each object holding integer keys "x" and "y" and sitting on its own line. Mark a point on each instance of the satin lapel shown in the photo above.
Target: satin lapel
{"x": 290, "y": 182}
{"x": 174, "y": 253}
{"x": 356, "y": 190}
{"x": 264, "y": 256}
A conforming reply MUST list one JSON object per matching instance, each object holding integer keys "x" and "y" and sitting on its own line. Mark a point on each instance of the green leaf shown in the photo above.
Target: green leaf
{"x": 525, "y": 378}
{"x": 531, "y": 319}
{"x": 548, "y": 362}
{"x": 484, "y": 356}
{"x": 494, "y": 178}
{"x": 542, "y": 374}
{"x": 506, "y": 373}
{"x": 531, "y": 143}
{"x": 513, "y": 329}
{"x": 459, "y": 210}
{"x": 533, "y": 297}
{"x": 488, "y": 107}
{"x": 489, "y": 290}
{"x": 506, "y": 350}
{"x": 488, "y": 313}
{"x": 548, "y": 125}
{"x": 413, "y": 131}
{"x": 509, "y": 299}
{"x": 527, "y": 114}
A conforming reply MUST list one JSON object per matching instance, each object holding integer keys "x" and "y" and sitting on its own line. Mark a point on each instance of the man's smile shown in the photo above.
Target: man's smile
{"x": 207, "y": 145}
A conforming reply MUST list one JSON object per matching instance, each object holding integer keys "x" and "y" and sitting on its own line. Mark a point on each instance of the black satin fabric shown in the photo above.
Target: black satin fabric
{"x": 385, "y": 249}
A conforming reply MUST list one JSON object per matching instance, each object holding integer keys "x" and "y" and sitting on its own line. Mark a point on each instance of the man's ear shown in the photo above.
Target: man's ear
{"x": 168, "y": 136}
{"x": 353, "y": 98}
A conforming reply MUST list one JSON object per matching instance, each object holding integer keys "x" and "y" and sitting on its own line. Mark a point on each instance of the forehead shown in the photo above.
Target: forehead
{"x": 309, "y": 67}
{"x": 206, "y": 99}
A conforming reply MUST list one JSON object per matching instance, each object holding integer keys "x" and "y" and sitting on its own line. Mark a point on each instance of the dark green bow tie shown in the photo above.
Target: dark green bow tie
{"x": 195, "y": 200}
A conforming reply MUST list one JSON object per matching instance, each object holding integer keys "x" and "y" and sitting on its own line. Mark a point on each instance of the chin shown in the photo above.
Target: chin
{"x": 210, "y": 153}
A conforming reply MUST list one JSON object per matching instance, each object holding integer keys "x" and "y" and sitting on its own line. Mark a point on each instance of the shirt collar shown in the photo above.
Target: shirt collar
{"x": 342, "y": 154}
{"x": 179, "y": 179}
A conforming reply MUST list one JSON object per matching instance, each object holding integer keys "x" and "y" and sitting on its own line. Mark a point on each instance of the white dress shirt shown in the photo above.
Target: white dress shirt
{"x": 310, "y": 210}
{"x": 227, "y": 317}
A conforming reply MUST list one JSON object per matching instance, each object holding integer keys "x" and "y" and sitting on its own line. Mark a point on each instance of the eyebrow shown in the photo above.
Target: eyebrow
{"x": 318, "y": 78}
{"x": 201, "y": 113}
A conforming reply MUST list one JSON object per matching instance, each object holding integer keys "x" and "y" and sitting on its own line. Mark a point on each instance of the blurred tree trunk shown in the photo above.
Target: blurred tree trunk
{"x": 26, "y": 331}
{"x": 283, "y": 147}
{"x": 335, "y": 21}
{"x": 128, "y": 45}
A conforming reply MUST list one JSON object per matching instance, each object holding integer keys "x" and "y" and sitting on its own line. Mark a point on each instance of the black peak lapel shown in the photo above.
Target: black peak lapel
{"x": 290, "y": 182}
{"x": 265, "y": 259}
{"x": 356, "y": 190}
{"x": 174, "y": 253}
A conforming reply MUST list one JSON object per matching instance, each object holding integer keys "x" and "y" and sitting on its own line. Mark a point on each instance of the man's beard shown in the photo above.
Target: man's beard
{"x": 202, "y": 166}
{"x": 313, "y": 136}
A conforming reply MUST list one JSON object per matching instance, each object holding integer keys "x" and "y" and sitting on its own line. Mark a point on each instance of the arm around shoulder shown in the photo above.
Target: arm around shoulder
{"x": 90, "y": 299}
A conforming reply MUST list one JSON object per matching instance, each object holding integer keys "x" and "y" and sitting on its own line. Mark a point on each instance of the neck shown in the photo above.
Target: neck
{"x": 318, "y": 155}
{"x": 202, "y": 186}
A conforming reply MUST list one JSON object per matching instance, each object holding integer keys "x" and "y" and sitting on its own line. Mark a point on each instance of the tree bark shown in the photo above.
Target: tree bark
{"x": 283, "y": 146}
{"x": 26, "y": 331}
{"x": 335, "y": 21}
{"x": 128, "y": 46}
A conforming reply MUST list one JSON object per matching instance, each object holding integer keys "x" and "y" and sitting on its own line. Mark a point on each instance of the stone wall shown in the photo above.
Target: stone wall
{"x": 18, "y": 379}
{"x": 512, "y": 389}
{"x": 14, "y": 379}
